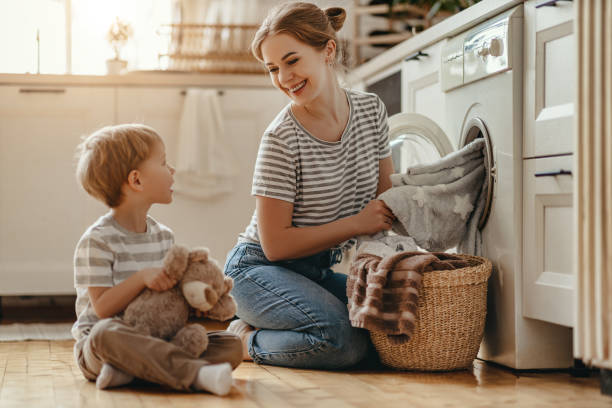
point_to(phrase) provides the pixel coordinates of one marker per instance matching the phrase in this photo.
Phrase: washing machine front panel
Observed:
(416, 140)
(492, 102)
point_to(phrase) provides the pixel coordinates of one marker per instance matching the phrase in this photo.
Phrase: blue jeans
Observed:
(299, 308)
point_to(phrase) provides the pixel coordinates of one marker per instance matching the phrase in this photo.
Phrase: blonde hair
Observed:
(307, 23)
(107, 156)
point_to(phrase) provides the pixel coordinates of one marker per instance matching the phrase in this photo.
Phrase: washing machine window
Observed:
(416, 139)
(473, 129)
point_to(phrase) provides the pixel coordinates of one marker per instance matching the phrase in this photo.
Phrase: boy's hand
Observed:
(156, 279)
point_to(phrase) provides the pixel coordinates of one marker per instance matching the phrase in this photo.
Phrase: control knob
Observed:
(494, 48)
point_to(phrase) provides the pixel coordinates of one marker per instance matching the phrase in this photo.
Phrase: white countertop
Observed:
(447, 28)
(142, 78)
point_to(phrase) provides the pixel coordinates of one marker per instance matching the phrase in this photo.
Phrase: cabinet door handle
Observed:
(555, 173)
(549, 3)
(220, 92)
(416, 56)
(42, 90)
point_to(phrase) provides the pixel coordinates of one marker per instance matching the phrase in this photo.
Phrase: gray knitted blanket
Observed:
(440, 204)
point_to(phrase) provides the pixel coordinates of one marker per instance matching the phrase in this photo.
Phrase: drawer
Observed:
(548, 240)
(550, 66)
(423, 62)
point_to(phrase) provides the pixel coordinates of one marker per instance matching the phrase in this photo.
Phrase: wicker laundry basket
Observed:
(452, 310)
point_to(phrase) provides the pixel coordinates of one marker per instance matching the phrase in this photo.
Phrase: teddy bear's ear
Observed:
(176, 261)
(198, 255)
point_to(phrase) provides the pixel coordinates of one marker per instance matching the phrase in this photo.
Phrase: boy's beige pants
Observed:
(149, 358)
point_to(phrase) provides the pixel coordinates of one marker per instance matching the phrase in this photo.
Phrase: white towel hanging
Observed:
(205, 165)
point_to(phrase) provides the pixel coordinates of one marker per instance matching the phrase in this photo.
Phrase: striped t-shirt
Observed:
(325, 181)
(107, 254)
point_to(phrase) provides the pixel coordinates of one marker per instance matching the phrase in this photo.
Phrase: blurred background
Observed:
(72, 36)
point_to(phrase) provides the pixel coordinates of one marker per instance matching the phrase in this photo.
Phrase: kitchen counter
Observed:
(142, 78)
(445, 29)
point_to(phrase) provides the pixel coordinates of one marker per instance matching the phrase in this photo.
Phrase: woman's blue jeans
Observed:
(299, 308)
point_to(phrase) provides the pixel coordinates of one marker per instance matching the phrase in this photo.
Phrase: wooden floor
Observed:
(43, 374)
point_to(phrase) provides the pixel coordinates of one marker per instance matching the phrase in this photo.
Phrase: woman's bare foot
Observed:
(244, 331)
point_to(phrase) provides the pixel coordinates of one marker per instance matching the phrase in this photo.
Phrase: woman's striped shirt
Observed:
(325, 181)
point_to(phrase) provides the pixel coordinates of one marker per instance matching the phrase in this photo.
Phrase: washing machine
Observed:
(481, 86)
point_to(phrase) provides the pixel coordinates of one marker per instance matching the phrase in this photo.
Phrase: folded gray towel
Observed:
(440, 204)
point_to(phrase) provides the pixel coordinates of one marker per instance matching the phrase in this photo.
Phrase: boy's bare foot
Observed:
(244, 331)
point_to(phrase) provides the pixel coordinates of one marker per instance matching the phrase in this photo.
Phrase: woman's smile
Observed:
(296, 90)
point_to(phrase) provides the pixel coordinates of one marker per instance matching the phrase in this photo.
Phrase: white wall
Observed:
(216, 223)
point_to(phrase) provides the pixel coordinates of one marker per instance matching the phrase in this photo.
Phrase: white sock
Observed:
(244, 331)
(112, 377)
(215, 378)
(239, 327)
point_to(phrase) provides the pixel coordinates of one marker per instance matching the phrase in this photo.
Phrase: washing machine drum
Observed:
(417, 140)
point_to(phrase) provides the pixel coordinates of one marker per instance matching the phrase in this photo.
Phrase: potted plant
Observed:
(117, 36)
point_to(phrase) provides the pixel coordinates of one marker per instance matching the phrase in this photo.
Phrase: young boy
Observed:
(121, 254)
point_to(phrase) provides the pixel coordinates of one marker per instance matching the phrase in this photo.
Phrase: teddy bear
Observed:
(201, 285)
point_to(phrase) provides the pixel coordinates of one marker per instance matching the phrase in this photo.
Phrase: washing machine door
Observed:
(416, 139)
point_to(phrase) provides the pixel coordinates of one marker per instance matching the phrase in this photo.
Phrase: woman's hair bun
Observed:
(336, 17)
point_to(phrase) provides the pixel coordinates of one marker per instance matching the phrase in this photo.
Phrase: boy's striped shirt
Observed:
(107, 254)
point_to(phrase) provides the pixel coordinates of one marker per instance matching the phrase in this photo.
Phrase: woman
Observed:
(320, 165)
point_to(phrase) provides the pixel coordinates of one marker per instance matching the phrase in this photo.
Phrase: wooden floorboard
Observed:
(43, 374)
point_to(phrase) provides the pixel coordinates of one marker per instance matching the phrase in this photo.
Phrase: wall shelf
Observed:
(196, 48)
(407, 14)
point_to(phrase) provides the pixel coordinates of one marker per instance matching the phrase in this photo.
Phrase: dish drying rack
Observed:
(210, 48)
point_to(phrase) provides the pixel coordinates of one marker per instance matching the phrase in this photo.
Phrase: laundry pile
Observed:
(437, 207)
(440, 204)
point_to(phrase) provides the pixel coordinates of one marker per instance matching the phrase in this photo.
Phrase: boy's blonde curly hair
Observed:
(106, 157)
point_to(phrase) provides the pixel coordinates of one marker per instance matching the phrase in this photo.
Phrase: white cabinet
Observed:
(549, 78)
(43, 211)
(421, 91)
(550, 60)
(548, 240)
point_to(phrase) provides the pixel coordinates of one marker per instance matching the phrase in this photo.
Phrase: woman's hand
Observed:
(374, 217)
(156, 279)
